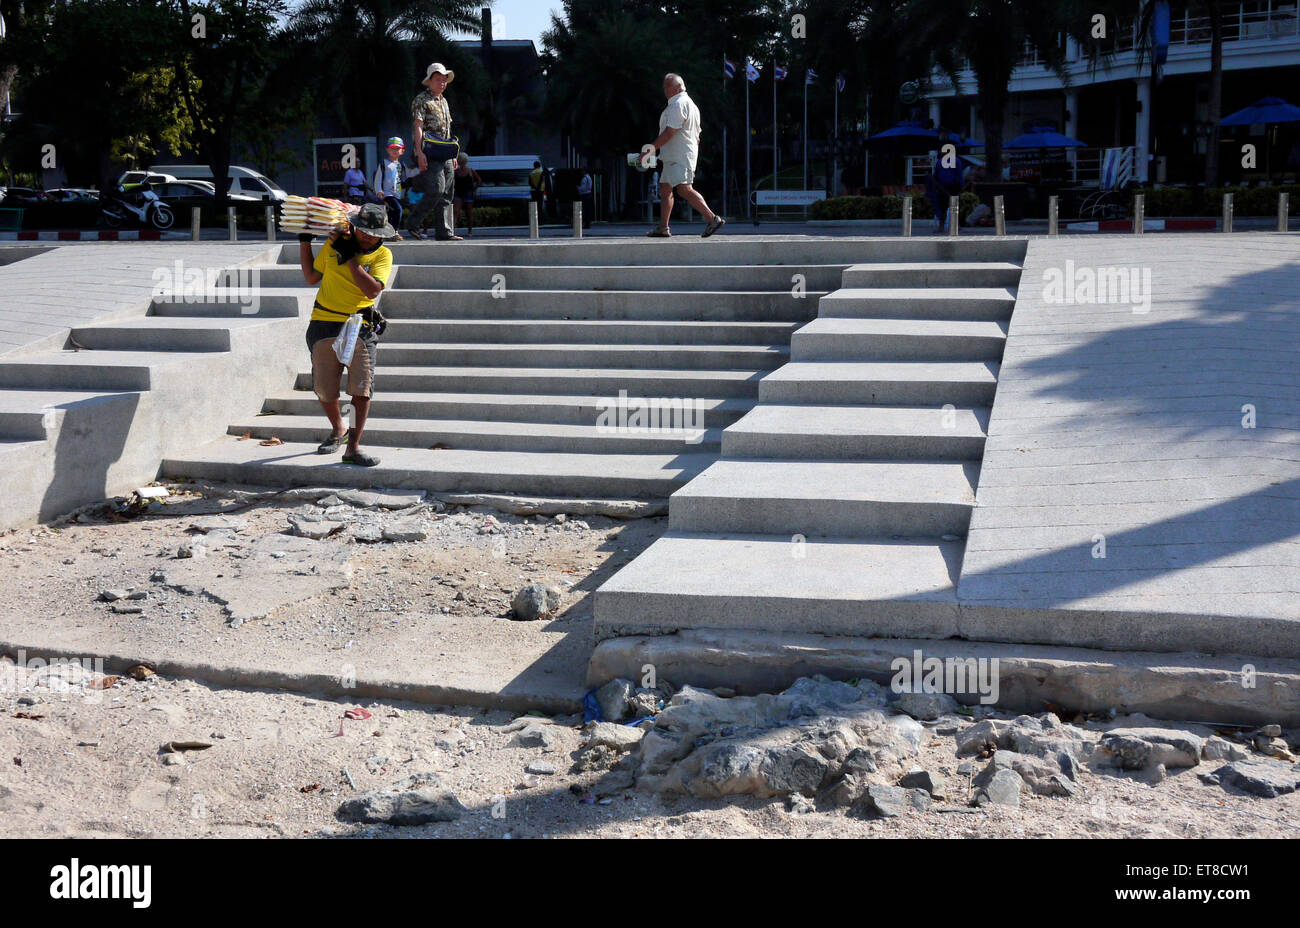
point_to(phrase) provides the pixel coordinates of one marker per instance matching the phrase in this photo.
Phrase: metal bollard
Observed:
(270, 223)
(954, 214)
(999, 216)
(1053, 214)
(1139, 213)
(1227, 212)
(534, 231)
(907, 217)
(1283, 212)
(196, 226)
(231, 225)
(577, 220)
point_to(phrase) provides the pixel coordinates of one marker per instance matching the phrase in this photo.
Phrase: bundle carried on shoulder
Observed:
(319, 215)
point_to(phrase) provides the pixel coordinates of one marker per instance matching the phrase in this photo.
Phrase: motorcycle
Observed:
(144, 206)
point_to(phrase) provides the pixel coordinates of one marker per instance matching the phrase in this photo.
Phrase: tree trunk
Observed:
(1216, 93)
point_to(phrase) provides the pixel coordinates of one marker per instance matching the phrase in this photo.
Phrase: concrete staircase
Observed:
(841, 501)
(95, 418)
(501, 357)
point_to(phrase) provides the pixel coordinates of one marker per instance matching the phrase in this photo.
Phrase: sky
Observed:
(524, 19)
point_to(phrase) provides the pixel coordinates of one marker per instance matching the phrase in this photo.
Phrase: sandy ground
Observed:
(79, 760)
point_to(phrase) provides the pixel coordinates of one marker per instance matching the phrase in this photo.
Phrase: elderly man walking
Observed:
(431, 131)
(679, 147)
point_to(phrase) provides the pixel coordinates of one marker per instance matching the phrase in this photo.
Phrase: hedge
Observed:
(1208, 201)
(891, 207)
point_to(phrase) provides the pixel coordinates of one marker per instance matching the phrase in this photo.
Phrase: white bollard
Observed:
(534, 230)
(1283, 212)
(1227, 212)
(999, 216)
(954, 214)
(907, 217)
(270, 223)
(577, 220)
(196, 226)
(231, 225)
(1053, 216)
(1139, 213)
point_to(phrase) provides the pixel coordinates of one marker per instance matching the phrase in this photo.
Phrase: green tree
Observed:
(991, 36)
(366, 45)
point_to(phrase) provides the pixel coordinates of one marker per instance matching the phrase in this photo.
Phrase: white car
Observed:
(243, 181)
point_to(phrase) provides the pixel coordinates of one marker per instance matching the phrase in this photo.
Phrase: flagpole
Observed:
(835, 140)
(805, 130)
(748, 194)
(775, 167)
(724, 139)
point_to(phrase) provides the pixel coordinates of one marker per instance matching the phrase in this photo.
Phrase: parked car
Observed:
(20, 197)
(131, 179)
(72, 195)
(183, 194)
(243, 181)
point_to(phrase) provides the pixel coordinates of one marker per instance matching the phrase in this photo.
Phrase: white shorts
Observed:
(676, 173)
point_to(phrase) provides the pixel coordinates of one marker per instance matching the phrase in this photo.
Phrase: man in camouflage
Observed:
(431, 119)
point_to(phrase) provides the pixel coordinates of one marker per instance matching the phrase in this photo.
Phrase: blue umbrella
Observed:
(910, 130)
(1043, 138)
(1265, 112)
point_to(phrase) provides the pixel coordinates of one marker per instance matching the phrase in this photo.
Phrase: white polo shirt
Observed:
(683, 115)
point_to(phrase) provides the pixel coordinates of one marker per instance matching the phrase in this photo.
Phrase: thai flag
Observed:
(728, 68)
(839, 83)
(810, 76)
(751, 71)
(780, 72)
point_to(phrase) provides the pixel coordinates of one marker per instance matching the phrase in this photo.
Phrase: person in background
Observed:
(537, 186)
(947, 178)
(586, 196)
(354, 186)
(679, 145)
(390, 182)
(431, 120)
(352, 270)
(467, 184)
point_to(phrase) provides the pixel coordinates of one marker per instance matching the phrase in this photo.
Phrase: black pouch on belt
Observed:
(375, 320)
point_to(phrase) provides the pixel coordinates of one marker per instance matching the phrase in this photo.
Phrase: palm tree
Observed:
(365, 41)
(1213, 10)
(991, 36)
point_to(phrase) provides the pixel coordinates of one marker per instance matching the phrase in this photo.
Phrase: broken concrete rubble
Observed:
(416, 800)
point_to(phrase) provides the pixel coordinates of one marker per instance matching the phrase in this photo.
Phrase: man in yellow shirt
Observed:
(352, 270)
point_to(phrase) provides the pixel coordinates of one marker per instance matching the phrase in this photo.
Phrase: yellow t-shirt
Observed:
(339, 294)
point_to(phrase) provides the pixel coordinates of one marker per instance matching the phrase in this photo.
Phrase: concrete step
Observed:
(666, 357)
(691, 250)
(90, 370)
(155, 333)
(822, 277)
(898, 340)
(988, 303)
(609, 476)
(603, 332)
(596, 382)
(789, 432)
(512, 407)
(958, 274)
(844, 586)
(27, 415)
(242, 303)
(835, 498)
(491, 436)
(908, 383)
(717, 306)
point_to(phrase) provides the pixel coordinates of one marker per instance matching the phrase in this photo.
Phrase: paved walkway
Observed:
(43, 297)
(1129, 428)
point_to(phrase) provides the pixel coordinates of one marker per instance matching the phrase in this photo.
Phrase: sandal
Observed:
(717, 223)
(332, 444)
(360, 459)
(659, 233)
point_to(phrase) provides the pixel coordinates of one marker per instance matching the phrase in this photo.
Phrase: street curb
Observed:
(315, 684)
(101, 235)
